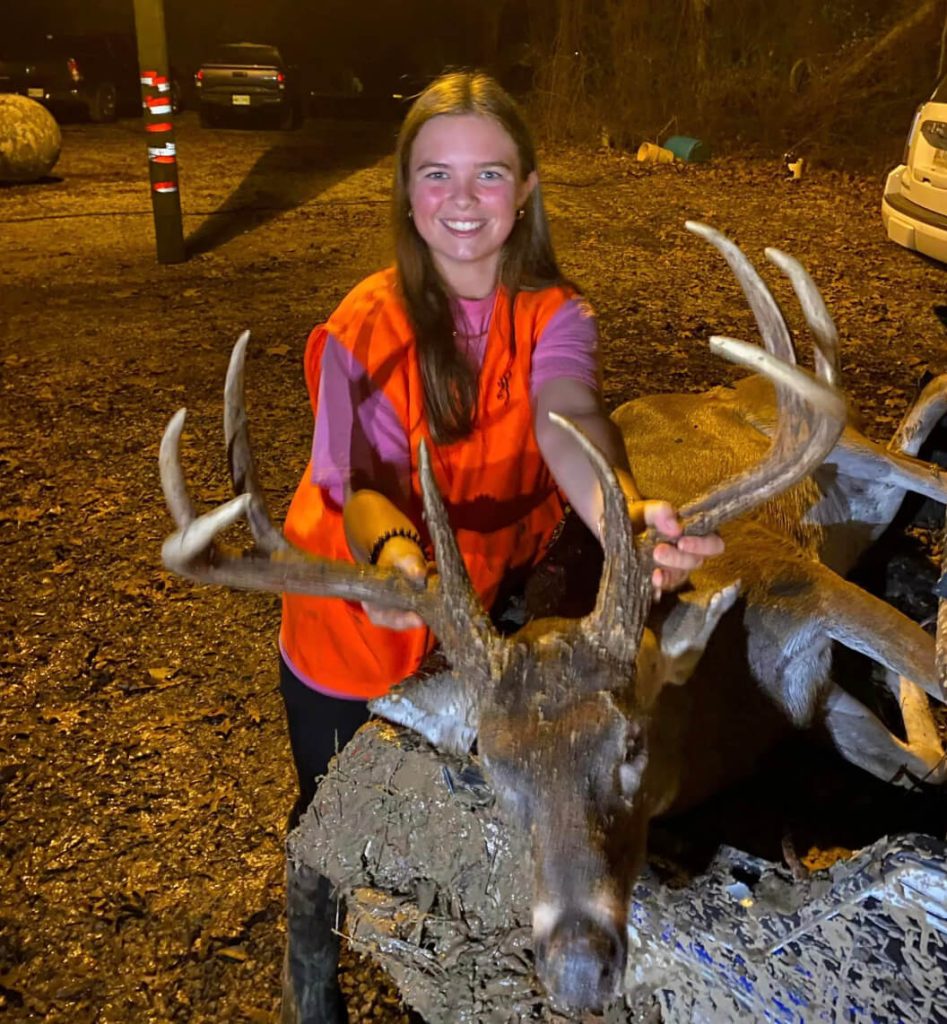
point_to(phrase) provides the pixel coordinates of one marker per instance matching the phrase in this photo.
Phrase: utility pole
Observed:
(159, 129)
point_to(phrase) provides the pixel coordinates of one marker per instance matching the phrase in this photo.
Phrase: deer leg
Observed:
(921, 418)
(865, 623)
(893, 469)
(919, 724)
(865, 742)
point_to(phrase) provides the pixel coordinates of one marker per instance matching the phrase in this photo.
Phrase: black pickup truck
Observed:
(93, 75)
(241, 79)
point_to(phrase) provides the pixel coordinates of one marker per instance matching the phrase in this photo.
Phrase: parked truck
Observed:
(94, 76)
(241, 79)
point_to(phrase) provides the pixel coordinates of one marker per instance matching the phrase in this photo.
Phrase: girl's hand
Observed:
(403, 554)
(676, 556)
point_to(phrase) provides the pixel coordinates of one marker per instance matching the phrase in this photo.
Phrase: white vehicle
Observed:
(914, 207)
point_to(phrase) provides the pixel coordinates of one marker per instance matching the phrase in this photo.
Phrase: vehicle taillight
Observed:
(907, 141)
(74, 73)
(935, 134)
(199, 77)
(280, 77)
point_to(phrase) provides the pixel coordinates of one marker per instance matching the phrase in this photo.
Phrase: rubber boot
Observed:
(311, 993)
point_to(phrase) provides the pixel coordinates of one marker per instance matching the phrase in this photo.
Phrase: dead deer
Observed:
(589, 727)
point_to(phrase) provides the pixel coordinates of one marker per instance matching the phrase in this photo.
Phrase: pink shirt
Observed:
(359, 438)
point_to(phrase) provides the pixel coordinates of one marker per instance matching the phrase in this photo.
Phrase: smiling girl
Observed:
(467, 343)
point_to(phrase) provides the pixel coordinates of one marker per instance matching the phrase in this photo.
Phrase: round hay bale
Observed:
(30, 139)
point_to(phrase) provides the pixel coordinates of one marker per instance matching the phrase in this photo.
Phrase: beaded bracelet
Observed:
(387, 536)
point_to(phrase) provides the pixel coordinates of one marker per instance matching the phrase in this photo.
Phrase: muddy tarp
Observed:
(438, 893)
(437, 887)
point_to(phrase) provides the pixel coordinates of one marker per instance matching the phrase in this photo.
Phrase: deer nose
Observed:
(583, 963)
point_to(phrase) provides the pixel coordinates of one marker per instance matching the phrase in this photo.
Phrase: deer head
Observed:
(562, 707)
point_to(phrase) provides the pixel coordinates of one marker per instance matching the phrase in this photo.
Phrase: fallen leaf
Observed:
(258, 1016)
(22, 514)
(233, 953)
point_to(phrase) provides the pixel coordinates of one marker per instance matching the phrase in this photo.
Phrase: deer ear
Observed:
(688, 626)
(441, 707)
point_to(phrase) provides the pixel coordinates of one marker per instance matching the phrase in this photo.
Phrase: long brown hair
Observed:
(527, 260)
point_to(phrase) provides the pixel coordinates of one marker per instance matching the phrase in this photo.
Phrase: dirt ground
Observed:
(145, 774)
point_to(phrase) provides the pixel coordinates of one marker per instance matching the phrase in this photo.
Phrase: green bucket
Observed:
(692, 151)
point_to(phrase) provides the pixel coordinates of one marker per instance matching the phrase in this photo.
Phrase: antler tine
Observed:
(815, 312)
(810, 413)
(807, 429)
(194, 551)
(624, 594)
(240, 454)
(769, 317)
(459, 618)
(172, 476)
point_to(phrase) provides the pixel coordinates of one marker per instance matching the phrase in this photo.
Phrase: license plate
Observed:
(940, 157)
(36, 94)
(241, 101)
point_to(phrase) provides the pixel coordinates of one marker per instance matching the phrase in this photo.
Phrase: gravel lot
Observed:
(144, 771)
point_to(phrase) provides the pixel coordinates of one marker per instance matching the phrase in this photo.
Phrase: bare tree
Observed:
(562, 81)
(700, 19)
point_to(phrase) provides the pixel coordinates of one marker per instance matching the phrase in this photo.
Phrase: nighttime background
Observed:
(145, 774)
(835, 76)
(378, 40)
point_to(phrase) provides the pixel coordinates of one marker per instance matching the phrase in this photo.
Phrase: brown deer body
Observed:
(589, 727)
(790, 556)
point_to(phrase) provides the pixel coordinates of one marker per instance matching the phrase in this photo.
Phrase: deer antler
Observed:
(240, 453)
(811, 413)
(811, 417)
(816, 315)
(447, 603)
(624, 592)
(777, 337)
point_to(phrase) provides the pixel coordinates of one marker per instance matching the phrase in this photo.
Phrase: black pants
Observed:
(319, 727)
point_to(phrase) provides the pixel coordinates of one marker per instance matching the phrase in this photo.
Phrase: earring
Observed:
(520, 213)
(410, 214)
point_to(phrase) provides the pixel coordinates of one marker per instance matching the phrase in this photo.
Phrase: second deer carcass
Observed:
(589, 727)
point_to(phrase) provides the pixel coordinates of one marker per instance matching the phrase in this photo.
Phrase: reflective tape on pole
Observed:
(158, 105)
(158, 115)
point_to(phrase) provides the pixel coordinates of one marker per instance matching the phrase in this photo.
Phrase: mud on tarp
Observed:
(865, 940)
(438, 893)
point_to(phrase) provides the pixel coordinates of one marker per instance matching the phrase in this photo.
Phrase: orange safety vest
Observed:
(501, 499)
